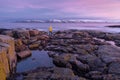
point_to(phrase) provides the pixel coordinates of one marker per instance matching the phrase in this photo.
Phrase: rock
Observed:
(94, 62)
(53, 74)
(108, 59)
(25, 41)
(94, 75)
(56, 48)
(97, 34)
(8, 58)
(43, 37)
(79, 67)
(24, 34)
(80, 34)
(114, 68)
(61, 60)
(20, 48)
(108, 53)
(33, 32)
(3, 30)
(117, 42)
(113, 36)
(53, 54)
(24, 54)
(34, 45)
(32, 40)
(18, 42)
(110, 77)
(63, 36)
(8, 33)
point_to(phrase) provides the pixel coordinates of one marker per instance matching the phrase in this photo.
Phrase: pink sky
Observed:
(108, 9)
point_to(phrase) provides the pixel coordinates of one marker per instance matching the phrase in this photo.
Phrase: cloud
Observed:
(73, 8)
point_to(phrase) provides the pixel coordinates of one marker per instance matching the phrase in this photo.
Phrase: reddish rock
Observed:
(18, 42)
(33, 32)
(24, 54)
(20, 48)
(43, 37)
(34, 45)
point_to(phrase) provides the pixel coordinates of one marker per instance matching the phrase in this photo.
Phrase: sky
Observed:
(49, 9)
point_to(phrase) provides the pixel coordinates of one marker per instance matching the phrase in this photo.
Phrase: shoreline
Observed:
(76, 52)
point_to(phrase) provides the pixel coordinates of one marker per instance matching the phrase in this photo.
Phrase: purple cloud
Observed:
(75, 8)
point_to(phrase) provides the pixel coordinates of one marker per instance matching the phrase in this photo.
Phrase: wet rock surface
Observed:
(78, 55)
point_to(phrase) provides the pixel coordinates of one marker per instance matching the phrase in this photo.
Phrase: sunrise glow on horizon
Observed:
(100, 9)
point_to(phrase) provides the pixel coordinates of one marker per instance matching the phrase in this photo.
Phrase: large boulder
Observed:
(7, 55)
(94, 62)
(108, 53)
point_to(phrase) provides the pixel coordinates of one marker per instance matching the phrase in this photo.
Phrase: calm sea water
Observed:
(63, 26)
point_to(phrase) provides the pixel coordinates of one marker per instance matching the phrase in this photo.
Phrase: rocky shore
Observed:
(114, 26)
(77, 54)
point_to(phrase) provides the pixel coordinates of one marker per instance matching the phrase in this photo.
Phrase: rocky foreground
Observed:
(77, 55)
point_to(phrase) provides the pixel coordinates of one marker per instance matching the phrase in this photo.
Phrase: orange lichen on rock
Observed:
(7, 54)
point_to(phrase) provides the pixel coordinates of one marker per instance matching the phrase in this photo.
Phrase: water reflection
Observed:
(37, 59)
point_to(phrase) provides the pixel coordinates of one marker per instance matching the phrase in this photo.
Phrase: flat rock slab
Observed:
(24, 54)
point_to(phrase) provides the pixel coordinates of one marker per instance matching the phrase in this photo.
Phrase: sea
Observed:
(101, 26)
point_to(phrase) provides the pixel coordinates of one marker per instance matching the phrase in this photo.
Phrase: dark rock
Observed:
(80, 34)
(52, 74)
(79, 67)
(117, 42)
(110, 77)
(114, 68)
(61, 60)
(94, 62)
(108, 53)
(53, 54)
(63, 36)
(56, 48)
(8, 33)
(94, 75)
(24, 34)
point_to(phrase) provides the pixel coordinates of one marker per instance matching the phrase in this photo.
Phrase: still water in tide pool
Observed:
(37, 59)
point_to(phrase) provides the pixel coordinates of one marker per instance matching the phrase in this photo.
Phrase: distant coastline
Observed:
(114, 26)
(64, 21)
